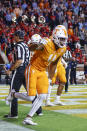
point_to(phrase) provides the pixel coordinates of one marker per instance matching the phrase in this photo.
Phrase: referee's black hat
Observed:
(19, 33)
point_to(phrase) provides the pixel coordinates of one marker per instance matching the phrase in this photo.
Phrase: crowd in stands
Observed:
(41, 16)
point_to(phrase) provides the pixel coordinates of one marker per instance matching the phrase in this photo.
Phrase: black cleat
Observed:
(10, 116)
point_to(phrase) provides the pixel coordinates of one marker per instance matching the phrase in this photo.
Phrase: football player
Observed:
(59, 74)
(48, 52)
(35, 39)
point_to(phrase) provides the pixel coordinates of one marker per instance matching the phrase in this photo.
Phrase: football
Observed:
(32, 47)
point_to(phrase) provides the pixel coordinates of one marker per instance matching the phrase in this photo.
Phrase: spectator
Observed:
(52, 20)
(24, 5)
(82, 37)
(46, 4)
(78, 53)
(65, 23)
(76, 9)
(85, 43)
(41, 5)
(8, 18)
(80, 24)
(34, 5)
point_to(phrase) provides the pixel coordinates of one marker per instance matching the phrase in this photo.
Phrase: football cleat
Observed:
(59, 103)
(28, 121)
(40, 114)
(10, 116)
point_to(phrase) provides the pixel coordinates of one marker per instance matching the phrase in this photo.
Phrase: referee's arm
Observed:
(13, 67)
(16, 65)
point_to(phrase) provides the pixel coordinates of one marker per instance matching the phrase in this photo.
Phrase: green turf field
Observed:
(71, 117)
(50, 121)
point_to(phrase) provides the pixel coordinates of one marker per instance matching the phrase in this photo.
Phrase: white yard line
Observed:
(72, 111)
(6, 126)
(67, 101)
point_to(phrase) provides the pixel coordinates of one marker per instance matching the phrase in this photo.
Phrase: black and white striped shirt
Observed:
(21, 52)
(67, 55)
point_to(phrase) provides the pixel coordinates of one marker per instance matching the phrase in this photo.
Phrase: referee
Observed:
(67, 57)
(21, 60)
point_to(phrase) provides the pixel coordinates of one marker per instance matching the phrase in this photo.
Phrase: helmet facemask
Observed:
(60, 42)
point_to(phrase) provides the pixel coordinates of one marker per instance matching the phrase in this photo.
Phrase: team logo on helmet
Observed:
(60, 36)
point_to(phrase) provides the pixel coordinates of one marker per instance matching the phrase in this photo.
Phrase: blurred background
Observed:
(41, 16)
